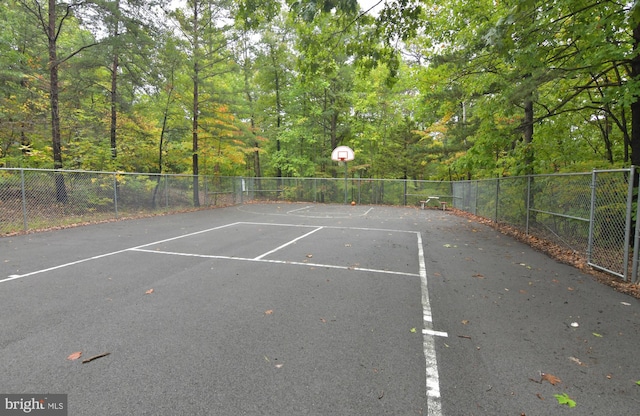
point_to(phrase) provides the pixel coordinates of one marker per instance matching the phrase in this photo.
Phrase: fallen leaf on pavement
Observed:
(148, 292)
(550, 378)
(565, 399)
(577, 361)
(269, 312)
(74, 356)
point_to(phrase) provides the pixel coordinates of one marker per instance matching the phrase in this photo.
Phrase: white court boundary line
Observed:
(293, 263)
(297, 213)
(434, 406)
(138, 248)
(73, 263)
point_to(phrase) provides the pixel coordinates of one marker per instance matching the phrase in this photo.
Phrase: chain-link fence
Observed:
(589, 213)
(592, 214)
(34, 199)
(341, 190)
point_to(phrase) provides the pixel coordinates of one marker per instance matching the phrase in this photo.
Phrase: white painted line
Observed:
(434, 406)
(435, 333)
(187, 235)
(19, 276)
(11, 277)
(294, 263)
(287, 244)
(332, 227)
(300, 209)
(140, 248)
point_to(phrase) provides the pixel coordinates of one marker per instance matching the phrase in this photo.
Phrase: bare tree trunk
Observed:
(278, 110)
(527, 136)
(196, 106)
(61, 190)
(635, 106)
(114, 82)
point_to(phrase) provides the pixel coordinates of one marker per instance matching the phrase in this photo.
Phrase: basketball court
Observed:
(309, 309)
(294, 309)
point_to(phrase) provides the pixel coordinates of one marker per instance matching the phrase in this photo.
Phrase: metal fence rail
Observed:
(589, 213)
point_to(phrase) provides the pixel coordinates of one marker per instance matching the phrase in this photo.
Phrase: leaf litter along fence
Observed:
(589, 213)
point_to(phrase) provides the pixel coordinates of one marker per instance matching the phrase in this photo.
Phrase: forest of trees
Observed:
(420, 89)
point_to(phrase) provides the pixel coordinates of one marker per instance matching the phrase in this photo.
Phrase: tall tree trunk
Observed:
(527, 135)
(278, 109)
(114, 82)
(196, 105)
(61, 190)
(635, 106)
(247, 87)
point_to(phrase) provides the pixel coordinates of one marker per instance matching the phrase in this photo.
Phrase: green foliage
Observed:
(565, 399)
(425, 89)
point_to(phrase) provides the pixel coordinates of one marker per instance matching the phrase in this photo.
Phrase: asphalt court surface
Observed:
(297, 244)
(308, 309)
(296, 310)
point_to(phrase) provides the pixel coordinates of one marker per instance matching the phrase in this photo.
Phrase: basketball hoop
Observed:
(342, 154)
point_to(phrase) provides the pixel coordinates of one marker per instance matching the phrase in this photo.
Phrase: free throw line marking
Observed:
(261, 260)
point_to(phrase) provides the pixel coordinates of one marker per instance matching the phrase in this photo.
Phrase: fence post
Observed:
(205, 189)
(115, 193)
(592, 216)
(636, 238)
(528, 203)
(475, 200)
(24, 200)
(166, 192)
(404, 196)
(495, 218)
(627, 228)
